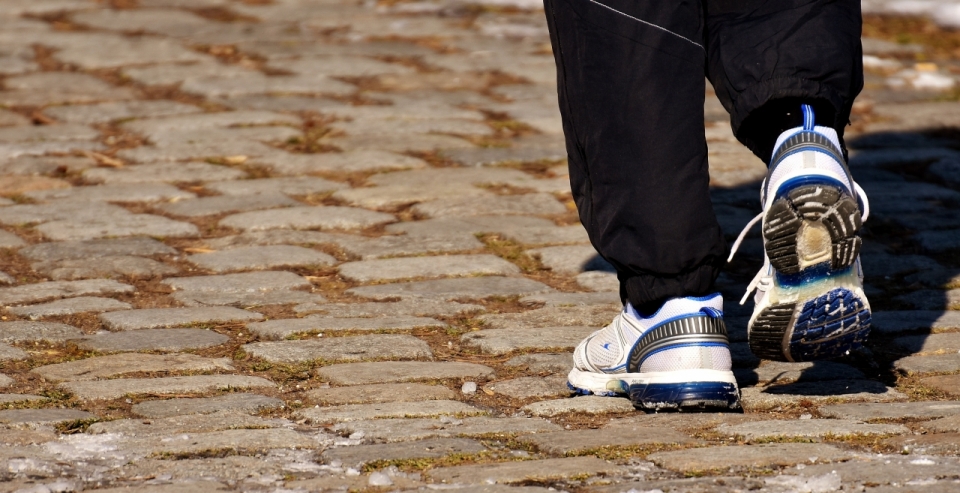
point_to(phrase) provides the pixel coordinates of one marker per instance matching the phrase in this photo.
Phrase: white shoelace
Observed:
(861, 198)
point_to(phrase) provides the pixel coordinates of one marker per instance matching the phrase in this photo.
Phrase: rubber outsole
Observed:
(825, 327)
(814, 205)
(685, 396)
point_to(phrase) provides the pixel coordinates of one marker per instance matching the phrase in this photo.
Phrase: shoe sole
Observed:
(681, 389)
(811, 237)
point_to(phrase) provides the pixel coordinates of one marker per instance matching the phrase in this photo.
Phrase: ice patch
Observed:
(923, 462)
(800, 484)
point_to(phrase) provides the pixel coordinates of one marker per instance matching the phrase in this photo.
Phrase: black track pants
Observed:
(631, 89)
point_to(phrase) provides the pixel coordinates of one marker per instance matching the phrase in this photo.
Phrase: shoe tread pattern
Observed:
(769, 329)
(829, 326)
(826, 204)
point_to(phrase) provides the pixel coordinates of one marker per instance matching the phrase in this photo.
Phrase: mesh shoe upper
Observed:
(608, 350)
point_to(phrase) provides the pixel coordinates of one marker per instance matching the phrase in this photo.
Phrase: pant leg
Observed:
(630, 79)
(767, 56)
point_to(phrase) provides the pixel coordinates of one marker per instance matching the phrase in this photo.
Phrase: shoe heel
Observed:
(812, 224)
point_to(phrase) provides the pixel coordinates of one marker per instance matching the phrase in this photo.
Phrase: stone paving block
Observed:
(116, 226)
(749, 456)
(274, 237)
(22, 331)
(33, 165)
(548, 235)
(503, 341)
(239, 283)
(152, 340)
(529, 204)
(351, 348)
(105, 51)
(239, 402)
(436, 266)
(119, 364)
(10, 353)
(469, 226)
(113, 389)
(543, 362)
(582, 405)
(774, 372)
(151, 20)
(256, 257)
(400, 371)
(29, 293)
(58, 210)
(163, 172)
(361, 412)
(109, 267)
(530, 387)
(47, 133)
(391, 246)
(945, 383)
(570, 259)
(144, 247)
(123, 192)
(15, 398)
(69, 306)
(576, 442)
(934, 363)
(301, 185)
(530, 470)
(378, 393)
(246, 299)
(846, 390)
(5, 380)
(307, 217)
(424, 449)
(406, 187)
(949, 424)
(206, 206)
(450, 289)
(278, 329)
(248, 442)
(118, 110)
(10, 240)
(154, 318)
(809, 428)
(939, 241)
(889, 470)
(186, 423)
(349, 161)
(564, 316)
(401, 429)
(36, 417)
(864, 411)
(599, 281)
(932, 299)
(223, 119)
(934, 443)
(574, 299)
(905, 321)
(408, 307)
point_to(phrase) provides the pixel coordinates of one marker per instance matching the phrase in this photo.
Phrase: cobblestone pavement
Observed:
(310, 245)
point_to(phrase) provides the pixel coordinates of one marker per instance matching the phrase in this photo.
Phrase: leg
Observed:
(631, 87)
(631, 96)
(768, 60)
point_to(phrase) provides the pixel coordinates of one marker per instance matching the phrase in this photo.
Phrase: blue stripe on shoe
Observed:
(808, 121)
(723, 395)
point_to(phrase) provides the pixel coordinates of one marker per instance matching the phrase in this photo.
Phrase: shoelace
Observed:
(864, 206)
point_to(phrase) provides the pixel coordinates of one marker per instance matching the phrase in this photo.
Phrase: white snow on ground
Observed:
(944, 12)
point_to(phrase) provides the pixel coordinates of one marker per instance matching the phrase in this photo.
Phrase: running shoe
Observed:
(809, 297)
(679, 357)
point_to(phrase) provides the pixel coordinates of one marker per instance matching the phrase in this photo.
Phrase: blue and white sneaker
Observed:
(809, 294)
(677, 358)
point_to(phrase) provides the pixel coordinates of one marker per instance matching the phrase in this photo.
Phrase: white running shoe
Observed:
(678, 357)
(809, 294)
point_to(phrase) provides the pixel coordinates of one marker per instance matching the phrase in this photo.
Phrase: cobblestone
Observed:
(69, 306)
(112, 389)
(238, 402)
(352, 348)
(248, 258)
(377, 393)
(441, 266)
(153, 318)
(360, 153)
(152, 340)
(400, 371)
(278, 329)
